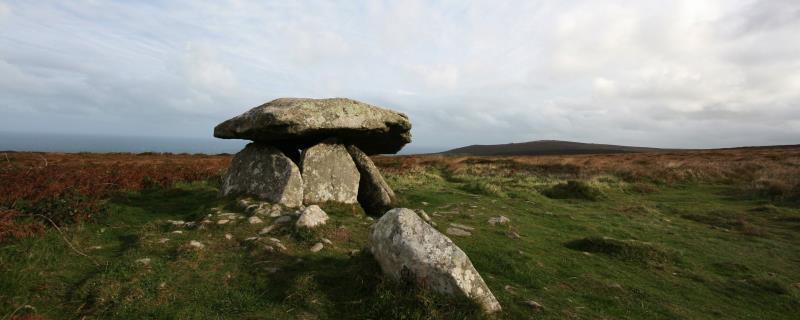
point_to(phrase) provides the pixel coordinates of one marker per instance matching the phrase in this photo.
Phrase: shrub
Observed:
(574, 189)
(627, 250)
(485, 188)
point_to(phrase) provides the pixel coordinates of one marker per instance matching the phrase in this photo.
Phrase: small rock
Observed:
(509, 289)
(354, 252)
(317, 247)
(228, 215)
(196, 244)
(424, 203)
(272, 269)
(176, 222)
(267, 229)
(280, 246)
(370, 219)
(312, 217)
(95, 247)
(243, 203)
(499, 220)
(282, 220)
(461, 226)
(177, 232)
(190, 224)
(251, 208)
(163, 240)
(326, 241)
(162, 285)
(275, 240)
(228, 236)
(254, 220)
(269, 249)
(512, 235)
(143, 261)
(533, 304)
(223, 221)
(458, 232)
(275, 214)
(424, 215)
(206, 221)
(251, 239)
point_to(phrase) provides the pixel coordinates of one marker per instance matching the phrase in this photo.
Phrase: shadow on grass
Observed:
(351, 288)
(188, 202)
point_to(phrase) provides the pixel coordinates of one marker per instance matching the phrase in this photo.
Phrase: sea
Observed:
(53, 142)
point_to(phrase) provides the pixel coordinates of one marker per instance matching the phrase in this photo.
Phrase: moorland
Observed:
(655, 235)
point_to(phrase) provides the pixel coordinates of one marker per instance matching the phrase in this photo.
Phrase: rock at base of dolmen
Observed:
(409, 249)
(329, 174)
(374, 194)
(265, 172)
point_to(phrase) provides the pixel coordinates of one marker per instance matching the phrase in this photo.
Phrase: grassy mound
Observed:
(628, 250)
(574, 189)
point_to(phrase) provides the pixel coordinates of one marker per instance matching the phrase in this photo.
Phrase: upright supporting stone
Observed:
(265, 172)
(329, 174)
(374, 194)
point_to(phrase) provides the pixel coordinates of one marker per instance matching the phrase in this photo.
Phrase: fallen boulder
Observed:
(409, 249)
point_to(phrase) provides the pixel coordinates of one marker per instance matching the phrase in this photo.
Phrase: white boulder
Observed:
(312, 217)
(407, 247)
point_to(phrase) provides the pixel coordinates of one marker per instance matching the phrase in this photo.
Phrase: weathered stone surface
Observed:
(300, 123)
(374, 194)
(458, 232)
(499, 220)
(406, 247)
(329, 174)
(265, 172)
(311, 217)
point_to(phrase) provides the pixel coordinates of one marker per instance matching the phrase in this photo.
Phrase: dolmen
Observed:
(312, 151)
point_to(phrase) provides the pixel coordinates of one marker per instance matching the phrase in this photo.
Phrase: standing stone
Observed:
(407, 248)
(329, 174)
(374, 194)
(265, 172)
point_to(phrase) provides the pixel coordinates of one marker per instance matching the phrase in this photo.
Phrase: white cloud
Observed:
(4, 10)
(609, 71)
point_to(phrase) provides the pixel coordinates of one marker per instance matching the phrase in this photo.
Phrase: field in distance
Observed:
(660, 235)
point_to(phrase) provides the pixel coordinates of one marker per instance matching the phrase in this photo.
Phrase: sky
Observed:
(684, 74)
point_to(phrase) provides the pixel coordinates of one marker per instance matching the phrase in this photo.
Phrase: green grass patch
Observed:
(679, 253)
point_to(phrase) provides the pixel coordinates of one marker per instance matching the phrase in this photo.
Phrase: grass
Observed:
(644, 250)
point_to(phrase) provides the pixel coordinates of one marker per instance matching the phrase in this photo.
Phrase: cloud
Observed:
(684, 74)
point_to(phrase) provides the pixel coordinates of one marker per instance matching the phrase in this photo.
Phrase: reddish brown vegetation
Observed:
(67, 187)
(773, 172)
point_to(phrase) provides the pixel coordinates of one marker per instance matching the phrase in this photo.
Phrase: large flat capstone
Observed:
(409, 249)
(329, 174)
(305, 122)
(265, 172)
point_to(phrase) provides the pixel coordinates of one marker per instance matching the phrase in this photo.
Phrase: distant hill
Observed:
(546, 147)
